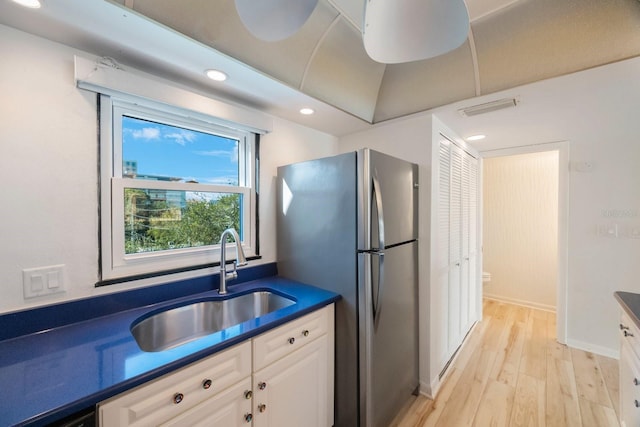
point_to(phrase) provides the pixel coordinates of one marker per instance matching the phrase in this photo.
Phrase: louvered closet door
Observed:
(440, 305)
(455, 299)
(474, 283)
(455, 249)
(465, 269)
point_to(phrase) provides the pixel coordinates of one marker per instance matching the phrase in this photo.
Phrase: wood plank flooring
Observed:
(512, 372)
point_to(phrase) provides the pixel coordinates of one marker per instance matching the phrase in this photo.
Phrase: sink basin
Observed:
(177, 326)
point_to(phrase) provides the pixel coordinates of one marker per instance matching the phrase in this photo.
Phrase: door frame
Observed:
(562, 147)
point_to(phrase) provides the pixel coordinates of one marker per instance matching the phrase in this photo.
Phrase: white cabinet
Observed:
(283, 377)
(629, 373)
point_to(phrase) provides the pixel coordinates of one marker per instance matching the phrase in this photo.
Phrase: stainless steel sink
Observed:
(180, 325)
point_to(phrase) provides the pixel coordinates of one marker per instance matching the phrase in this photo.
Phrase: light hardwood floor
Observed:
(512, 372)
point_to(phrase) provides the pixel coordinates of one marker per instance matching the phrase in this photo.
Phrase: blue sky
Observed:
(176, 152)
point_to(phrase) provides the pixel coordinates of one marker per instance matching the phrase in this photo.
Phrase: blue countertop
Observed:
(49, 374)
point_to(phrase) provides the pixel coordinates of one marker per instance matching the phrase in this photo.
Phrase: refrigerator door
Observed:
(388, 332)
(388, 200)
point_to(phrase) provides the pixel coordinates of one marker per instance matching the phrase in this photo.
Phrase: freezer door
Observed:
(388, 332)
(388, 200)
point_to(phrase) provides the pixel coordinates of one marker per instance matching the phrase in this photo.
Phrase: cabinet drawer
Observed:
(229, 408)
(629, 333)
(275, 344)
(166, 397)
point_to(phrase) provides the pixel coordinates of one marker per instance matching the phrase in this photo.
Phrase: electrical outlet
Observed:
(43, 281)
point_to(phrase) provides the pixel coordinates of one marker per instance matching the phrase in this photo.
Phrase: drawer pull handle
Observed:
(291, 340)
(305, 333)
(628, 334)
(178, 397)
(262, 385)
(206, 384)
(622, 327)
(262, 407)
(636, 403)
(248, 418)
(248, 394)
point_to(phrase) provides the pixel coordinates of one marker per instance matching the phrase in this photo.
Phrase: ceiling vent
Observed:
(488, 107)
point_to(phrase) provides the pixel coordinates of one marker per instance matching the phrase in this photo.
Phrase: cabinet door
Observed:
(294, 390)
(629, 387)
(230, 408)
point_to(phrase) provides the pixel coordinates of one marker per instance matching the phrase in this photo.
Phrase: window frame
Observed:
(115, 263)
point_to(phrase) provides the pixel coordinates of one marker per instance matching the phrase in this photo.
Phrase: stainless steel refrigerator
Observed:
(348, 223)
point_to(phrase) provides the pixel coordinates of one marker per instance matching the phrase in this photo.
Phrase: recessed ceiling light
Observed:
(306, 111)
(33, 4)
(476, 137)
(216, 75)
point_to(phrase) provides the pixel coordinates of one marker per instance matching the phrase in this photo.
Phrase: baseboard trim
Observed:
(429, 390)
(597, 349)
(522, 303)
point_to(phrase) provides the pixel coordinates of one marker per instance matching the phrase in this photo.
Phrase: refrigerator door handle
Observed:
(378, 196)
(377, 301)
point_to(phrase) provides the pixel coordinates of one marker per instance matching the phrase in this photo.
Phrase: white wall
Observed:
(520, 228)
(48, 170)
(597, 265)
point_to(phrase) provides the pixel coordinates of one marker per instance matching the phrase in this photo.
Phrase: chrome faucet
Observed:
(240, 259)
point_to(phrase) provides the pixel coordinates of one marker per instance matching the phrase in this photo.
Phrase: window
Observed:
(171, 184)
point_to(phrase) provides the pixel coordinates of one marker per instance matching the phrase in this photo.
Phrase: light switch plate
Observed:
(43, 281)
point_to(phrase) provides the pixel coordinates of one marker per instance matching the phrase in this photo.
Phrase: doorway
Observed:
(524, 224)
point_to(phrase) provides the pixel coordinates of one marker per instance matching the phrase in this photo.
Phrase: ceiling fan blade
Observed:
(273, 20)
(398, 31)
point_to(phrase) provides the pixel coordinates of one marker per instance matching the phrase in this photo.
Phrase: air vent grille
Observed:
(488, 107)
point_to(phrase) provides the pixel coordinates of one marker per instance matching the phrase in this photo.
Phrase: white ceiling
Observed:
(508, 43)
(561, 108)
(354, 9)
